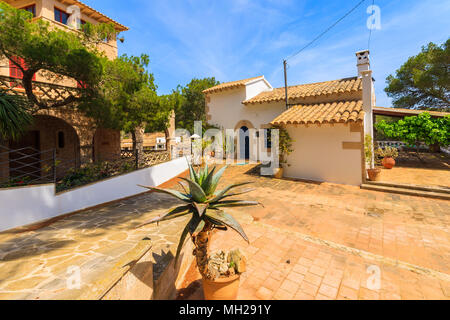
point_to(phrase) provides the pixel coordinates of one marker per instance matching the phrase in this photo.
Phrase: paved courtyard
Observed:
(309, 241)
(327, 241)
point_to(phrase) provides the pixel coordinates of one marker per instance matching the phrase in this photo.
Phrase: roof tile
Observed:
(230, 85)
(309, 90)
(334, 112)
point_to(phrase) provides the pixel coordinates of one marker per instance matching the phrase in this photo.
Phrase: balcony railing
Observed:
(44, 91)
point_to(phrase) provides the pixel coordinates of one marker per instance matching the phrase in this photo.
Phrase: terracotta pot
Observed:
(278, 174)
(374, 174)
(388, 162)
(221, 288)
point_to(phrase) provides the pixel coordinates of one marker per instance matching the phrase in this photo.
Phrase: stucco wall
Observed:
(319, 154)
(28, 205)
(226, 110)
(256, 87)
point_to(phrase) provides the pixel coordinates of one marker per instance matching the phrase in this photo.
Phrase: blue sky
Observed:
(236, 39)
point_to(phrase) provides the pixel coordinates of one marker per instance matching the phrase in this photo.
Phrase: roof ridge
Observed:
(232, 84)
(101, 14)
(312, 83)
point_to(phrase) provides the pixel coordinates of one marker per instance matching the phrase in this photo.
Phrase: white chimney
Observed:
(362, 61)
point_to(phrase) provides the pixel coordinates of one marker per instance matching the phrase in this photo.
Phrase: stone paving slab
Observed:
(34, 264)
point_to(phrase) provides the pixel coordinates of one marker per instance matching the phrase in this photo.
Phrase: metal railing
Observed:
(29, 166)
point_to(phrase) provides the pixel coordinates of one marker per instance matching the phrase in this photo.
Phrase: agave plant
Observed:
(205, 207)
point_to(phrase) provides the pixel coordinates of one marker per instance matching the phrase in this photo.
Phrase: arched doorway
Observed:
(244, 143)
(48, 134)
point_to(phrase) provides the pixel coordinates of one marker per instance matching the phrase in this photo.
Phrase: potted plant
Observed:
(389, 154)
(373, 172)
(220, 273)
(285, 148)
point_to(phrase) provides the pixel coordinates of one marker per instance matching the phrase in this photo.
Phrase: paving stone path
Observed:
(37, 264)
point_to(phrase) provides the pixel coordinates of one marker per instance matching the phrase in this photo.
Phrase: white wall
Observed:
(256, 87)
(28, 205)
(226, 110)
(318, 154)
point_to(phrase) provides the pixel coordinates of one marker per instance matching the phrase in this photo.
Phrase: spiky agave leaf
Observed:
(220, 217)
(238, 193)
(194, 226)
(235, 203)
(193, 174)
(201, 208)
(216, 179)
(174, 193)
(172, 213)
(198, 195)
(207, 183)
(222, 193)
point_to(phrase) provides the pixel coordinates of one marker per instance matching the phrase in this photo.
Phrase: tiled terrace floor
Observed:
(428, 169)
(330, 234)
(417, 176)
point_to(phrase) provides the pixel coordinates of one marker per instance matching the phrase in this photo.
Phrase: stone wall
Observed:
(106, 144)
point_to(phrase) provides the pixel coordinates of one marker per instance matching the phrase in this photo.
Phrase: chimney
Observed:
(362, 61)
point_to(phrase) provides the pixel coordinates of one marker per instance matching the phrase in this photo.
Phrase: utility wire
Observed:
(328, 29)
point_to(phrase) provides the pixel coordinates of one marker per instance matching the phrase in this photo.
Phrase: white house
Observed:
(327, 120)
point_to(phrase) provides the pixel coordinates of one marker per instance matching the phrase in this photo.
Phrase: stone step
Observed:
(411, 186)
(407, 191)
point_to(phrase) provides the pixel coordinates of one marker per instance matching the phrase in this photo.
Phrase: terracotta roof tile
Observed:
(309, 90)
(231, 85)
(334, 112)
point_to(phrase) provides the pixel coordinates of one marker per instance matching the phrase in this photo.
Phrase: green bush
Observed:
(418, 129)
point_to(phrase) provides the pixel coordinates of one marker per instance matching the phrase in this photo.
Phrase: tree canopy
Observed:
(423, 82)
(127, 98)
(418, 129)
(53, 52)
(189, 102)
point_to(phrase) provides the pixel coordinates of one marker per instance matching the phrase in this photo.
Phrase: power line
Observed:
(328, 29)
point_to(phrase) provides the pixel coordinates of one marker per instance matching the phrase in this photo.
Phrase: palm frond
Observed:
(15, 116)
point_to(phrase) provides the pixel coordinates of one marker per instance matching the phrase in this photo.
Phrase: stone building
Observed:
(75, 137)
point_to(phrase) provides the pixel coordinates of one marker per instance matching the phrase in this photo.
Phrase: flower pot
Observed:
(388, 162)
(374, 174)
(221, 288)
(278, 173)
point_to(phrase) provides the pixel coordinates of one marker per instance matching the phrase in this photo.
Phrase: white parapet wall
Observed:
(27, 205)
